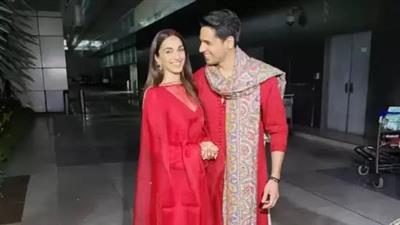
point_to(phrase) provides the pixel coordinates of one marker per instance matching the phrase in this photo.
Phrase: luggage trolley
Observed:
(385, 157)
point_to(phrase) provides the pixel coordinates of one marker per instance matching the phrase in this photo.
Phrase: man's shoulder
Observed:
(270, 81)
(268, 84)
(199, 74)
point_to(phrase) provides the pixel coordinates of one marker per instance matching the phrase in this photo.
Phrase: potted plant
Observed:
(14, 56)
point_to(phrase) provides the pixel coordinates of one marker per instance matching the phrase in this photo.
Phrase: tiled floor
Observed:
(12, 198)
(83, 173)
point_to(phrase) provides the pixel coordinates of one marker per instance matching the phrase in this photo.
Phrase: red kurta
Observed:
(273, 121)
(171, 182)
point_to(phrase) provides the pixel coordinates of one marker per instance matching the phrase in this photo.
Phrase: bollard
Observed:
(66, 102)
(128, 92)
(82, 101)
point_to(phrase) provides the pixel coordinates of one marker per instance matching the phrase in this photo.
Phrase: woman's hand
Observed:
(208, 150)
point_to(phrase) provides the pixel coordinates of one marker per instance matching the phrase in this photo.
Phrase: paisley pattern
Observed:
(242, 94)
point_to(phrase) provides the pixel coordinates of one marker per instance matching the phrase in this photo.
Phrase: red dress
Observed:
(171, 184)
(273, 121)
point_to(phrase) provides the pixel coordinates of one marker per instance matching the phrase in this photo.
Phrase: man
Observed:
(242, 100)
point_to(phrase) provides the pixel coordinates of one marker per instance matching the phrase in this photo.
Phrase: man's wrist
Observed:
(275, 179)
(275, 174)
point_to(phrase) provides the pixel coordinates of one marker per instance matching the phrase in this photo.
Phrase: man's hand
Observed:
(208, 150)
(270, 195)
(271, 189)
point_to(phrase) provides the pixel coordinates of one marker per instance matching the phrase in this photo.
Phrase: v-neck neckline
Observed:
(177, 99)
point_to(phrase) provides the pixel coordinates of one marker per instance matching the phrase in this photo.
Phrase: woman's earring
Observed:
(159, 67)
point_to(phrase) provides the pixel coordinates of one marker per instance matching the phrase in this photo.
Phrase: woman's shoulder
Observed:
(152, 93)
(152, 90)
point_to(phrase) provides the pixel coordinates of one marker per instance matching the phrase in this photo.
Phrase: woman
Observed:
(171, 184)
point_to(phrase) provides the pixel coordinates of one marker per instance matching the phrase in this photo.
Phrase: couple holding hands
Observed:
(202, 156)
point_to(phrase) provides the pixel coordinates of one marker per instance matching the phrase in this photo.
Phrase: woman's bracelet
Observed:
(277, 180)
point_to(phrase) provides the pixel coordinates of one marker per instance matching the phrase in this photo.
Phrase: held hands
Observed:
(209, 150)
(270, 195)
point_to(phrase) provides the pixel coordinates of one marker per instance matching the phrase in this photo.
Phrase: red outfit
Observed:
(273, 122)
(171, 182)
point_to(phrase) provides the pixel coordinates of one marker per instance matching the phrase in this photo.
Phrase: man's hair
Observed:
(225, 22)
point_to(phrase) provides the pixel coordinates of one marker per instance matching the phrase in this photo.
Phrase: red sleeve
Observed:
(197, 82)
(273, 115)
(148, 137)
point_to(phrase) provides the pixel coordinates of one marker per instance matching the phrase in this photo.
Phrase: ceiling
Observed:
(99, 19)
(101, 16)
(44, 5)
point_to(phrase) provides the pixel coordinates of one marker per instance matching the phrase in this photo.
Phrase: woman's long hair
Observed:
(155, 76)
